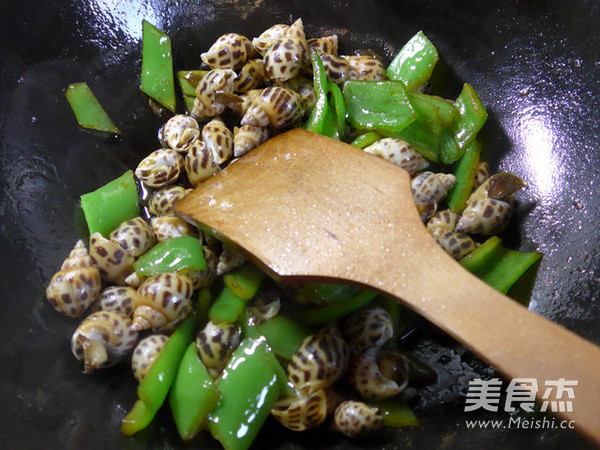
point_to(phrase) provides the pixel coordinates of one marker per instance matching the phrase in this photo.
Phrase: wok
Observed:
(535, 64)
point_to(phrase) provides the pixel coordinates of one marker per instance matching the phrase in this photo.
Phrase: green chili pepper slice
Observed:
(414, 63)
(322, 315)
(378, 105)
(437, 110)
(284, 335)
(87, 109)
(244, 281)
(365, 139)
(325, 293)
(424, 138)
(498, 266)
(316, 120)
(193, 395)
(153, 389)
(227, 307)
(338, 109)
(471, 116)
(465, 171)
(174, 254)
(249, 387)
(157, 79)
(396, 413)
(115, 202)
(188, 81)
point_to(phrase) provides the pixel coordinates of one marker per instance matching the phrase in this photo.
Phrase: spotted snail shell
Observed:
(163, 201)
(247, 138)
(301, 412)
(180, 131)
(398, 152)
(366, 68)
(112, 261)
(490, 207)
(168, 227)
(120, 299)
(216, 342)
(285, 58)
(163, 301)
(102, 339)
(267, 37)
(218, 139)
(160, 168)
(374, 380)
(251, 76)
(325, 45)
(320, 360)
(135, 236)
(441, 226)
(354, 418)
(212, 87)
(77, 285)
(145, 354)
(229, 51)
(199, 163)
(276, 107)
(370, 327)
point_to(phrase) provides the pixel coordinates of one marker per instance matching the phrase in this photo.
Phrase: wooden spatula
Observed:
(305, 205)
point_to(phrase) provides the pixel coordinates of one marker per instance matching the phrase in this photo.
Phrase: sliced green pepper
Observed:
(284, 335)
(381, 105)
(396, 413)
(317, 118)
(189, 79)
(322, 315)
(227, 307)
(157, 79)
(471, 116)
(153, 389)
(365, 139)
(421, 136)
(87, 109)
(193, 395)
(249, 387)
(108, 206)
(465, 171)
(414, 63)
(436, 110)
(337, 107)
(174, 254)
(325, 293)
(244, 281)
(498, 266)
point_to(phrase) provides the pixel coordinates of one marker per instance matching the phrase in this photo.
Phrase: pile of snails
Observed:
(265, 85)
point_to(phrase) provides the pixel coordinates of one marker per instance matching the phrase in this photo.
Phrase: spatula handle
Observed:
(516, 342)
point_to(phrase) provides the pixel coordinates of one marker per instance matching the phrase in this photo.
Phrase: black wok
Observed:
(536, 65)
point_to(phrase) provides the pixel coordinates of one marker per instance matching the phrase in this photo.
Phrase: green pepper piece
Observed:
(436, 110)
(414, 63)
(420, 134)
(284, 335)
(366, 139)
(188, 100)
(249, 387)
(325, 293)
(227, 307)
(317, 121)
(108, 206)
(157, 79)
(396, 413)
(338, 109)
(322, 315)
(498, 266)
(193, 395)
(378, 105)
(87, 109)
(174, 254)
(244, 281)
(188, 81)
(471, 116)
(465, 171)
(153, 389)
